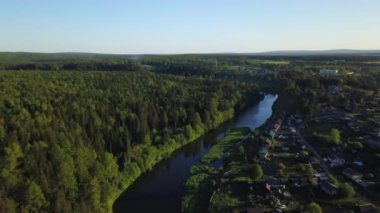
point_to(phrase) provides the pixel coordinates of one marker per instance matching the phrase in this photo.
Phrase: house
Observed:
(335, 161)
(326, 72)
(358, 163)
(315, 161)
(263, 153)
(277, 125)
(274, 183)
(366, 208)
(329, 188)
(321, 176)
(282, 137)
(268, 141)
(286, 194)
(285, 149)
(361, 183)
(272, 133)
(352, 174)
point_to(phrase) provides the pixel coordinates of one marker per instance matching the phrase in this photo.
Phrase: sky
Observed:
(187, 26)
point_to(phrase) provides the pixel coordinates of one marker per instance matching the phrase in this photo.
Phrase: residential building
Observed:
(366, 208)
(352, 174)
(263, 153)
(329, 188)
(328, 72)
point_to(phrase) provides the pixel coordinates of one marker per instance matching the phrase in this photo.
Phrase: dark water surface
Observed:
(160, 189)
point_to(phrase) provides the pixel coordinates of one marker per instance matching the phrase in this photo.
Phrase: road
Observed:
(311, 148)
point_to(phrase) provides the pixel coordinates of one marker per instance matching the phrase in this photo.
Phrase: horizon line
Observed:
(342, 50)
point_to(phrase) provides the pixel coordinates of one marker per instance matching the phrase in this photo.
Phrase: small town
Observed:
(283, 165)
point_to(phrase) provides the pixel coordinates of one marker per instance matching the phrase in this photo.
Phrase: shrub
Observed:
(313, 208)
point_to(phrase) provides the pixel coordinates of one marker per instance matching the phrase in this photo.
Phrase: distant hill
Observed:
(29, 57)
(319, 53)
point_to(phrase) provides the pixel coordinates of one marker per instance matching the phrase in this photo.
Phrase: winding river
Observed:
(160, 189)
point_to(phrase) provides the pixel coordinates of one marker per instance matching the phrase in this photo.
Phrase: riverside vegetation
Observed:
(72, 141)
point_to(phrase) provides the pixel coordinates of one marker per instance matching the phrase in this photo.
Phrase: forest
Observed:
(206, 65)
(73, 141)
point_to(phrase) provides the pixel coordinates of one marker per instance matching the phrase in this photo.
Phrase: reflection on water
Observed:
(256, 116)
(160, 189)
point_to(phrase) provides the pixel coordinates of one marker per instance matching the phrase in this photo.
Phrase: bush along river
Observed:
(160, 189)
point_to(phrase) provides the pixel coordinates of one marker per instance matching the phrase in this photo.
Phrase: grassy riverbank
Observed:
(204, 178)
(152, 157)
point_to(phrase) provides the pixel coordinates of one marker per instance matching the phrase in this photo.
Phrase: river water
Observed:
(160, 189)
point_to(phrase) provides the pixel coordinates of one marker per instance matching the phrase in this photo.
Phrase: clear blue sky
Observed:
(187, 26)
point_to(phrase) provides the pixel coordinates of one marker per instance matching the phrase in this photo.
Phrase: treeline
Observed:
(206, 65)
(124, 65)
(72, 141)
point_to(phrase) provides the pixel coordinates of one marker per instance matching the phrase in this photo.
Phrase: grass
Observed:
(226, 143)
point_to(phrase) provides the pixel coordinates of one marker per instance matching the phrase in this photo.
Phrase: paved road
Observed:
(315, 153)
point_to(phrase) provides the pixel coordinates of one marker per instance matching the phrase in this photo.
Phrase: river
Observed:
(160, 189)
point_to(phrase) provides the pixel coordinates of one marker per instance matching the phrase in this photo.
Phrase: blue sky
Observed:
(187, 26)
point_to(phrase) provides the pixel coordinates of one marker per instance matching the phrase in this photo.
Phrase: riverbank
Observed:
(162, 187)
(161, 153)
(167, 150)
(239, 145)
(157, 154)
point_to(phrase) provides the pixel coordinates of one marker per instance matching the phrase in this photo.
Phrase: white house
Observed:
(328, 72)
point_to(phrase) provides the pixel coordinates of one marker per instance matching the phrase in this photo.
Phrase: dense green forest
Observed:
(72, 141)
(73, 137)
